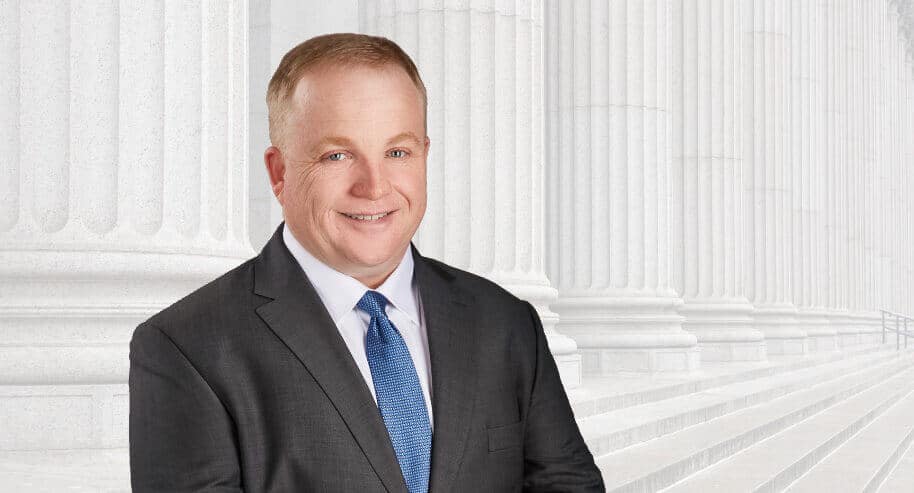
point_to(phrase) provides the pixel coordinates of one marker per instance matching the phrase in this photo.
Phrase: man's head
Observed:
(347, 124)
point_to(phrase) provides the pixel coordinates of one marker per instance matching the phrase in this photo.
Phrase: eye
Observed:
(398, 153)
(336, 156)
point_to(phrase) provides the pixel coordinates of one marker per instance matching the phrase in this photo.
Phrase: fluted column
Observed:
(124, 188)
(823, 336)
(901, 78)
(483, 67)
(883, 180)
(769, 183)
(609, 164)
(707, 172)
(909, 151)
(904, 193)
(896, 234)
(859, 315)
(871, 192)
(835, 173)
(806, 161)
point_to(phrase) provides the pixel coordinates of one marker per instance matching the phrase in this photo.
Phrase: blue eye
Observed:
(336, 156)
(397, 153)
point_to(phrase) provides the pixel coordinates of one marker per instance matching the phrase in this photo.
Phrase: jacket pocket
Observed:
(505, 436)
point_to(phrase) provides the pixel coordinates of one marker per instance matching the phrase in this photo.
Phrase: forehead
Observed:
(343, 93)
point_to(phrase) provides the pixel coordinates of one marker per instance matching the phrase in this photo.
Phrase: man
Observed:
(340, 359)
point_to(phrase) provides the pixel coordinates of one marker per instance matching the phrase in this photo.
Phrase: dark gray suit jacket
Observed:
(246, 385)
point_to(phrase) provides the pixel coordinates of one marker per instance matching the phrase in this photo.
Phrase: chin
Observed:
(371, 258)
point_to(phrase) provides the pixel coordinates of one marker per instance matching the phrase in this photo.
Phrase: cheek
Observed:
(412, 184)
(304, 193)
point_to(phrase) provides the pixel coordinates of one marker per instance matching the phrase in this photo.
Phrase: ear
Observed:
(276, 169)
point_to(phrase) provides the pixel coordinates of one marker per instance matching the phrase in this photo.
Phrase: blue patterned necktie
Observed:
(399, 394)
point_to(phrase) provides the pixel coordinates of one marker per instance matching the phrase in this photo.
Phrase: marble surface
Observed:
(100, 470)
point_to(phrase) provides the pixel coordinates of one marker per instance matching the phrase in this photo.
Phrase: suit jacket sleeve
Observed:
(181, 436)
(555, 455)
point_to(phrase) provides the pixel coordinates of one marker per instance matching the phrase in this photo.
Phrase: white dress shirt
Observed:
(340, 293)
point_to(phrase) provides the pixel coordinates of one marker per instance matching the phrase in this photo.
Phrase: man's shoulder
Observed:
(482, 291)
(211, 305)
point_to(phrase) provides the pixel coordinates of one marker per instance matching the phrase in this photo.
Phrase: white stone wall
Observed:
(668, 181)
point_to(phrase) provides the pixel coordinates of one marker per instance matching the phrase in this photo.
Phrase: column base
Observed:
(732, 351)
(821, 336)
(571, 369)
(567, 359)
(44, 417)
(610, 360)
(66, 319)
(848, 333)
(724, 329)
(640, 334)
(778, 322)
(536, 289)
(785, 347)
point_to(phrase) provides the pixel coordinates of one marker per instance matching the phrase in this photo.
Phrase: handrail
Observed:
(900, 320)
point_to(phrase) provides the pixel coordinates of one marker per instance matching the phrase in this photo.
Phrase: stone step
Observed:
(864, 461)
(624, 427)
(778, 461)
(658, 463)
(599, 394)
(901, 478)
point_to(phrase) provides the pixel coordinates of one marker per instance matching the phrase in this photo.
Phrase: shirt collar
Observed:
(340, 292)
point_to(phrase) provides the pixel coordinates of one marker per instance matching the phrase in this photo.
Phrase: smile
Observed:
(366, 217)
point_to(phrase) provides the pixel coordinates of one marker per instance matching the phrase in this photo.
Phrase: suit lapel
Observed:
(453, 353)
(299, 318)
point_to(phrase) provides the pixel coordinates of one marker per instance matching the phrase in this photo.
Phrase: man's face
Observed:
(351, 172)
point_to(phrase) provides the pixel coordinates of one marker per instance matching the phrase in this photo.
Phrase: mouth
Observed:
(367, 217)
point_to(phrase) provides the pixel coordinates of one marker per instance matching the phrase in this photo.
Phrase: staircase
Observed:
(826, 422)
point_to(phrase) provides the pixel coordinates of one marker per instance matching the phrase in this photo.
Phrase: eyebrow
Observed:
(346, 142)
(405, 136)
(334, 140)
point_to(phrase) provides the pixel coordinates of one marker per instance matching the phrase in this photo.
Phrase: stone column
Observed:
(483, 68)
(878, 186)
(836, 173)
(907, 18)
(806, 163)
(823, 337)
(860, 315)
(896, 168)
(884, 178)
(909, 151)
(901, 80)
(123, 188)
(769, 184)
(872, 159)
(903, 49)
(707, 172)
(608, 138)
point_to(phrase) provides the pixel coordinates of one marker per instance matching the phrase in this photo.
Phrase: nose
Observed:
(371, 182)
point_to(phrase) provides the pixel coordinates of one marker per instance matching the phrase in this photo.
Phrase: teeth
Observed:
(368, 218)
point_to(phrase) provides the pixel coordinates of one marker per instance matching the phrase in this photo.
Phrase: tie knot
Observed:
(373, 304)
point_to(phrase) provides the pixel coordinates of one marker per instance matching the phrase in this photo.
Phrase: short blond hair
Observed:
(345, 48)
